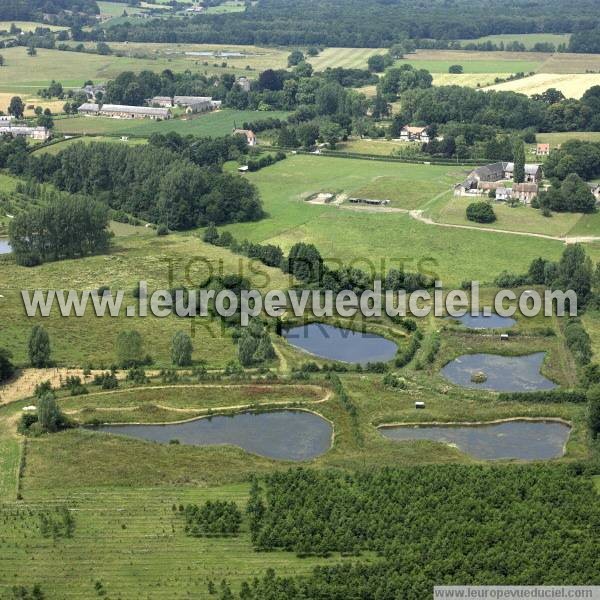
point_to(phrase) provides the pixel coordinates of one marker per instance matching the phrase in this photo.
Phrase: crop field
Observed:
(527, 39)
(570, 63)
(571, 85)
(356, 235)
(467, 79)
(30, 99)
(213, 124)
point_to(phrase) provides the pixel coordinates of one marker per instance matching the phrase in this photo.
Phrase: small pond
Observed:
(504, 373)
(522, 440)
(4, 246)
(335, 343)
(481, 321)
(282, 434)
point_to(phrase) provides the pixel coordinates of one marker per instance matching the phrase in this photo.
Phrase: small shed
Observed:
(419, 405)
(504, 337)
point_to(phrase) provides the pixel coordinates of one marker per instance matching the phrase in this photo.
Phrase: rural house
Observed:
(410, 133)
(542, 149)
(250, 136)
(525, 192)
(244, 83)
(34, 133)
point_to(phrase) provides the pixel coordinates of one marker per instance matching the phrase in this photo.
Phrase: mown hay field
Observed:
(571, 85)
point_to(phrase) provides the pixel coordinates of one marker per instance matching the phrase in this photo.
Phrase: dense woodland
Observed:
(451, 524)
(358, 23)
(151, 182)
(57, 11)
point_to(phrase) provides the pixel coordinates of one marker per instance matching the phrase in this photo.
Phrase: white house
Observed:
(410, 133)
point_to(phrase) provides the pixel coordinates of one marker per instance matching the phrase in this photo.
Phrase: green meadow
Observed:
(211, 124)
(356, 235)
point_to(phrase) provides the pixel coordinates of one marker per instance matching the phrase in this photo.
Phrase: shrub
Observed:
(39, 347)
(181, 350)
(481, 212)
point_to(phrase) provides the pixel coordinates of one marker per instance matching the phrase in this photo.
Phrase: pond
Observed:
(502, 373)
(4, 246)
(481, 321)
(521, 439)
(282, 434)
(335, 343)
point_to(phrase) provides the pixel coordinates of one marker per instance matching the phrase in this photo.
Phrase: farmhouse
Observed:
(533, 172)
(525, 192)
(5, 119)
(244, 83)
(192, 104)
(91, 91)
(595, 189)
(411, 133)
(122, 111)
(35, 133)
(162, 101)
(542, 149)
(249, 134)
(488, 177)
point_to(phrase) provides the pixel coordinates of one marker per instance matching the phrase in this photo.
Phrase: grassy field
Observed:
(115, 9)
(230, 6)
(215, 123)
(24, 73)
(29, 26)
(554, 139)
(359, 235)
(438, 61)
(379, 147)
(133, 258)
(351, 58)
(520, 218)
(527, 39)
(571, 85)
(63, 144)
(122, 491)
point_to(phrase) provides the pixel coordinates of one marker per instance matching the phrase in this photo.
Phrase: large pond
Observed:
(335, 343)
(523, 440)
(504, 373)
(481, 321)
(4, 246)
(283, 434)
